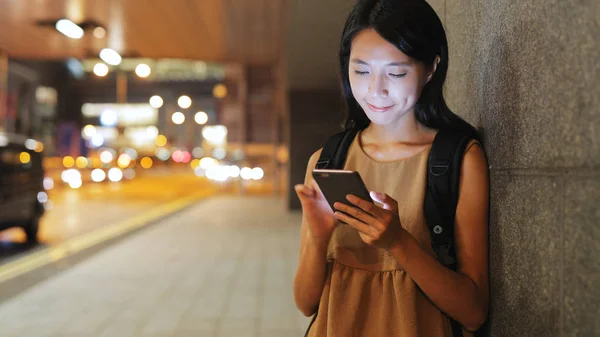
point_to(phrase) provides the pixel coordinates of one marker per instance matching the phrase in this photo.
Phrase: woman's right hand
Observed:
(317, 213)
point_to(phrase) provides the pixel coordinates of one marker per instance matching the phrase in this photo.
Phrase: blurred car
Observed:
(21, 184)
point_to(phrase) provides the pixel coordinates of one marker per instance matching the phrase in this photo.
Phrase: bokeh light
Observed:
(25, 158)
(143, 70)
(220, 91)
(246, 173)
(115, 174)
(201, 117)
(68, 161)
(156, 101)
(257, 173)
(161, 140)
(81, 162)
(124, 160)
(98, 175)
(184, 102)
(146, 162)
(178, 118)
(100, 69)
(106, 157)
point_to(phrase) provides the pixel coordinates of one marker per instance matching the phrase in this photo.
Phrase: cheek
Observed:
(358, 87)
(408, 90)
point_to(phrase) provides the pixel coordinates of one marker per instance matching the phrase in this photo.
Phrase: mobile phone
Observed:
(337, 184)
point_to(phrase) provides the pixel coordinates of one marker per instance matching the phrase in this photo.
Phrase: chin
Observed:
(385, 118)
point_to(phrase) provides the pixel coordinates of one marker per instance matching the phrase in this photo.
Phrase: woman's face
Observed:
(384, 81)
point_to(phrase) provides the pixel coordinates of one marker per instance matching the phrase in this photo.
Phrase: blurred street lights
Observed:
(201, 117)
(156, 101)
(178, 118)
(184, 102)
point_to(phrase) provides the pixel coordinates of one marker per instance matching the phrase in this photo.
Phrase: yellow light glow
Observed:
(161, 140)
(146, 162)
(96, 163)
(106, 157)
(208, 162)
(81, 162)
(195, 163)
(25, 157)
(68, 161)
(124, 160)
(89, 131)
(220, 91)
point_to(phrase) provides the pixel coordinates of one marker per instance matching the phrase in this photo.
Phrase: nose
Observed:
(378, 86)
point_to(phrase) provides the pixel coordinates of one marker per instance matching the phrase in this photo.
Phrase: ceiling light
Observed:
(142, 70)
(99, 32)
(100, 69)
(110, 56)
(69, 28)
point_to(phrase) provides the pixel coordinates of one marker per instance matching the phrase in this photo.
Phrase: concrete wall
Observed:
(527, 73)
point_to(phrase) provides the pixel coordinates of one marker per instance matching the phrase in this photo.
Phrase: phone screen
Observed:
(337, 184)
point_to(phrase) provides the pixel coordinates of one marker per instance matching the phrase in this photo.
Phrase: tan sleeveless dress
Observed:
(367, 294)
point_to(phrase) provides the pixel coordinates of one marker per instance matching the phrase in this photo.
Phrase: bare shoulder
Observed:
(474, 157)
(312, 162)
(314, 158)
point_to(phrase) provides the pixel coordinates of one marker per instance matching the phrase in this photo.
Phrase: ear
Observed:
(432, 72)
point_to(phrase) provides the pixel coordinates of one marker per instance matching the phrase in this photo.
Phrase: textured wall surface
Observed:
(527, 74)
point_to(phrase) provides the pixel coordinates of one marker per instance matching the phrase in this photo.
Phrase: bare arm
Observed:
(464, 294)
(312, 268)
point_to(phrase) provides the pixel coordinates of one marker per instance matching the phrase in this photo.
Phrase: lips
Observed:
(379, 109)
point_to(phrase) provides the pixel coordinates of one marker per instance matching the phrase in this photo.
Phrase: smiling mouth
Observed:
(379, 109)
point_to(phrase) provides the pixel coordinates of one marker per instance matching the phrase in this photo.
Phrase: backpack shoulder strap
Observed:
(333, 155)
(441, 199)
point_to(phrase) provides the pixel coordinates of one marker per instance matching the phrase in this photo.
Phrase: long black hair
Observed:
(414, 28)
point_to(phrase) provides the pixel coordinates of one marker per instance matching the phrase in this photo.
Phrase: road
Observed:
(76, 212)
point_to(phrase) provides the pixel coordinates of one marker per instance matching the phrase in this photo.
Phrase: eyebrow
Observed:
(407, 63)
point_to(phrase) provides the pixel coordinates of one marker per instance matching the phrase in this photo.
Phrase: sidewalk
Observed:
(221, 268)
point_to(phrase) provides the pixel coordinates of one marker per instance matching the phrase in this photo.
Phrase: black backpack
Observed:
(441, 199)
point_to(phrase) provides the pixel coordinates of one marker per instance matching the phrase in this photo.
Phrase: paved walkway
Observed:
(221, 268)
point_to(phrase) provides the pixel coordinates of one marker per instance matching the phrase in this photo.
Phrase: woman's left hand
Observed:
(378, 226)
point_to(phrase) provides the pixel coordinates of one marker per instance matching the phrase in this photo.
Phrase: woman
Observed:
(370, 270)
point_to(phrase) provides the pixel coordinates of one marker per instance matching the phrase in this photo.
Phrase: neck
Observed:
(405, 130)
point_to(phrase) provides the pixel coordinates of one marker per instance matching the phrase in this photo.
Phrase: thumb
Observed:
(304, 191)
(388, 202)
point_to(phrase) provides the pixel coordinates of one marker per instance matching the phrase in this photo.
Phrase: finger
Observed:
(359, 225)
(388, 202)
(358, 213)
(303, 190)
(365, 205)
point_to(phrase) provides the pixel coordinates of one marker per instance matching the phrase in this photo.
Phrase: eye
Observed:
(361, 73)
(398, 75)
